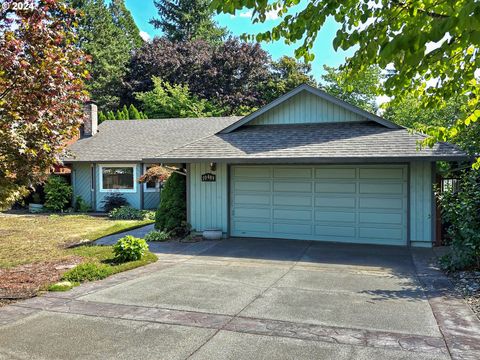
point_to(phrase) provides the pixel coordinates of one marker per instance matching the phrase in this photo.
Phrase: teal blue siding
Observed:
(421, 201)
(151, 200)
(208, 201)
(344, 203)
(305, 108)
(82, 182)
(82, 185)
(133, 198)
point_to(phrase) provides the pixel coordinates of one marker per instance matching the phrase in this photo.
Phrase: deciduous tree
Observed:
(42, 74)
(232, 74)
(175, 101)
(359, 89)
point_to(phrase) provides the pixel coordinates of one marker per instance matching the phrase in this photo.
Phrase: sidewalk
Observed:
(112, 239)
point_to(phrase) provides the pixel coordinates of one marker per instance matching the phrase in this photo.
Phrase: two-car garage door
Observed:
(361, 204)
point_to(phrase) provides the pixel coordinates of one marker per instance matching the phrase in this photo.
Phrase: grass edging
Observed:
(99, 264)
(98, 234)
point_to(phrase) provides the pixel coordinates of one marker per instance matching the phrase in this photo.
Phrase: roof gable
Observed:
(307, 105)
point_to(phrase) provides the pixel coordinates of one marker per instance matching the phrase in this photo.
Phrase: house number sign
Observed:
(209, 177)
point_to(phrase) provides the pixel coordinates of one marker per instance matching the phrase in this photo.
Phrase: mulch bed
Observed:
(467, 283)
(26, 281)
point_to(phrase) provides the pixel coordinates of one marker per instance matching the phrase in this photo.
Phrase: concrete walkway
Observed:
(253, 299)
(138, 232)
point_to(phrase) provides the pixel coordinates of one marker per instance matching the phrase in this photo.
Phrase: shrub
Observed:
(113, 201)
(149, 215)
(460, 212)
(129, 248)
(127, 213)
(172, 210)
(57, 193)
(36, 198)
(81, 205)
(157, 236)
(87, 272)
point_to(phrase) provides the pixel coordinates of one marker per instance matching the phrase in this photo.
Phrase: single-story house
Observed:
(307, 166)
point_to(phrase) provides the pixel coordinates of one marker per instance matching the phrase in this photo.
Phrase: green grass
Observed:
(35, 238)
(118, 227)
(100, 263)
(62, 286)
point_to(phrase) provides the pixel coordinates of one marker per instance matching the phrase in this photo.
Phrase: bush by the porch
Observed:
(113, 201)
(461, 210)
(130, 213)
(58, 193)
(172, 212)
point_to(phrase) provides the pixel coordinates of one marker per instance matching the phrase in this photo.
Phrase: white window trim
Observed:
(133, 166)
(157, 183)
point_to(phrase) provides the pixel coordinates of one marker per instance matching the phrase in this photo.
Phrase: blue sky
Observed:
(144, 10)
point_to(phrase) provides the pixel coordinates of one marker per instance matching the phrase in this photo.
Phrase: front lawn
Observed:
(35, 238)
(34, 249)
(104, 255)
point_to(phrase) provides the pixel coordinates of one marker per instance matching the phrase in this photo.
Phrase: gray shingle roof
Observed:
(365, 141)
(134, 140)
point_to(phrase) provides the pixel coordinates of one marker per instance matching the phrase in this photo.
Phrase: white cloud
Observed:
(271, 15)
(247, 14)
(144, 35)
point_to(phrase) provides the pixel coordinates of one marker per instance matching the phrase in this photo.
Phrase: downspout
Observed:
(94, 186)
(142, 194)
(187, 169)
(73, 180)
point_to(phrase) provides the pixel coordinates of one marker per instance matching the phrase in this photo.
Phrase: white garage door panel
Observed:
(252, 185)
(340, 188)
(335, 216)
(288, 173)
(292, 200)
(327, 232)
(292, 229)
(292, 186)
(335, 202)
(292, 214)
(250, 226)
(335, 173)
(362, 204)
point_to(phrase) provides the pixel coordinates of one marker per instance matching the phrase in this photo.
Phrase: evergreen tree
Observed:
(126, 115)
(133, 113)
(110, 115)
(123, 19)
(184, 20)
(101, 117)
(119, 115)
(109, 44)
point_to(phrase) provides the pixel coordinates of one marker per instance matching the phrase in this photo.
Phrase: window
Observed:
(117, 178)
(150, 186)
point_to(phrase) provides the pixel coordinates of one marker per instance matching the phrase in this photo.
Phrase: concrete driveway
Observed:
(252, 299)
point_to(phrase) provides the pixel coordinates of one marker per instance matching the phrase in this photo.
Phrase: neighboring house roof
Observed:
(133, 140)
(330, 142)
(317, 92)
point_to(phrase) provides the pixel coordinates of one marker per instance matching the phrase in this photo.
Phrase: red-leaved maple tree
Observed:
(42, 72)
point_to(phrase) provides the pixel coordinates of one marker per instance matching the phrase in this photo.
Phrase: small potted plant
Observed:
(36, 205)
